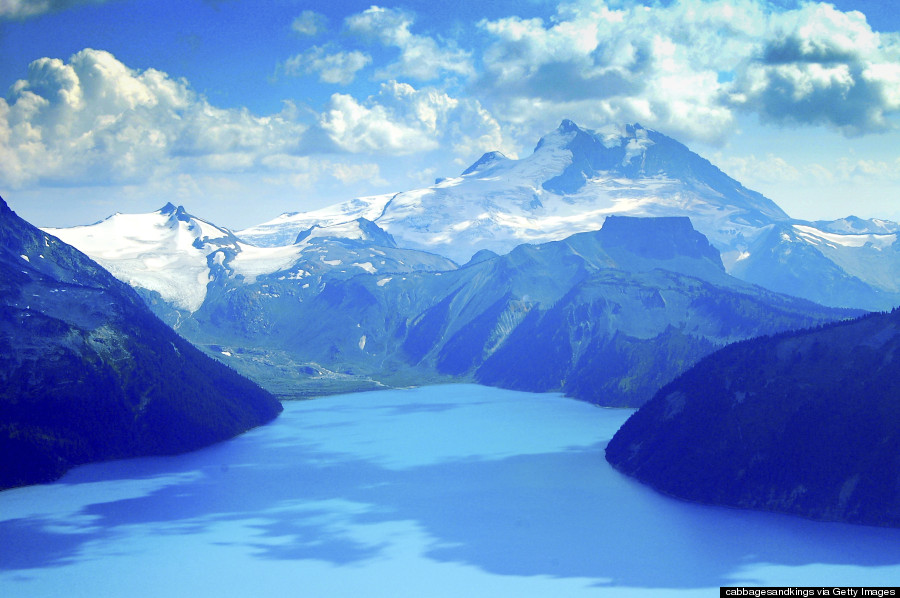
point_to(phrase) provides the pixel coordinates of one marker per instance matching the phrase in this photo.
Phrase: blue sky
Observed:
(243, 110)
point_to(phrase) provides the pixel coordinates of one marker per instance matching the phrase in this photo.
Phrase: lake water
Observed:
(454, 491)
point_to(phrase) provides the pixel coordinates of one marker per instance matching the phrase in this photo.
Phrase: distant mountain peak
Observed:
(486, 160)
(175, 212)
(568, 126)
(359, 230)
(482, 255)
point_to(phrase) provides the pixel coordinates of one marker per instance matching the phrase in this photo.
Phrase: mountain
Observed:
(852, 225)
(858, 269)
(164, 251)
(88, 373)
(620, 311)
(806, 423)
(284, 229)
(172, 256)
(659, 302)
(576, 177)
(570, 183)
(803, 423)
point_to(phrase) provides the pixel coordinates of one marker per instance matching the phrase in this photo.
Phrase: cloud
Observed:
(309, 23)
(658, 66)
(767, 169)
(353, 173)
(93, 120)
(307, 171)
(823, 66)
(421, 57)
(690, 66)
(401, 119)
(335, 67)
(23, 9)
(775, 172)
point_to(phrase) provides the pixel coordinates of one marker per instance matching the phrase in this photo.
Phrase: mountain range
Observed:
(576, 177)
(621, 310)
(88, 373)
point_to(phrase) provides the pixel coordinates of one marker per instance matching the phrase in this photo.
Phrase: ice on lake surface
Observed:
(456, 490)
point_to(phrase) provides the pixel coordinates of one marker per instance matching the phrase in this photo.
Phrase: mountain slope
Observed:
(88, 373)
(806, 423)
(848, 269)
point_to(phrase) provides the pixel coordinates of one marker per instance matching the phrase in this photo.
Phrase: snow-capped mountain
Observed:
(176, 255)
(860, 270)
(851, 225)
(164, 251)
(576, 177)
(284, 229)
(569, 184)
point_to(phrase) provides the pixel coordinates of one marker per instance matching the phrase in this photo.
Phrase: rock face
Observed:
(88, 373)
(806, 423)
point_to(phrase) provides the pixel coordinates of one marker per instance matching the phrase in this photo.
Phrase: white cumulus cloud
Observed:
(819, 65)
(421, 56)
(401, 119)
(94, 120)
(332, 67)
(688, 67)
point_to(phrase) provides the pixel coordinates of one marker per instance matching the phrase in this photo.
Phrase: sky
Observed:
(242, 110)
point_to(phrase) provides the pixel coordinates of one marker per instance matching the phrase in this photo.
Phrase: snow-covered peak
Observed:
(163, 251)
(359, 230)
(569, 136)
(855, 225)
(485, 162)
(283, 229)
(817, 236)
(166, 229)
(570, 183)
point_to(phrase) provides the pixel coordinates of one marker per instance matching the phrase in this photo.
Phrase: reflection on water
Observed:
(439, 491)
